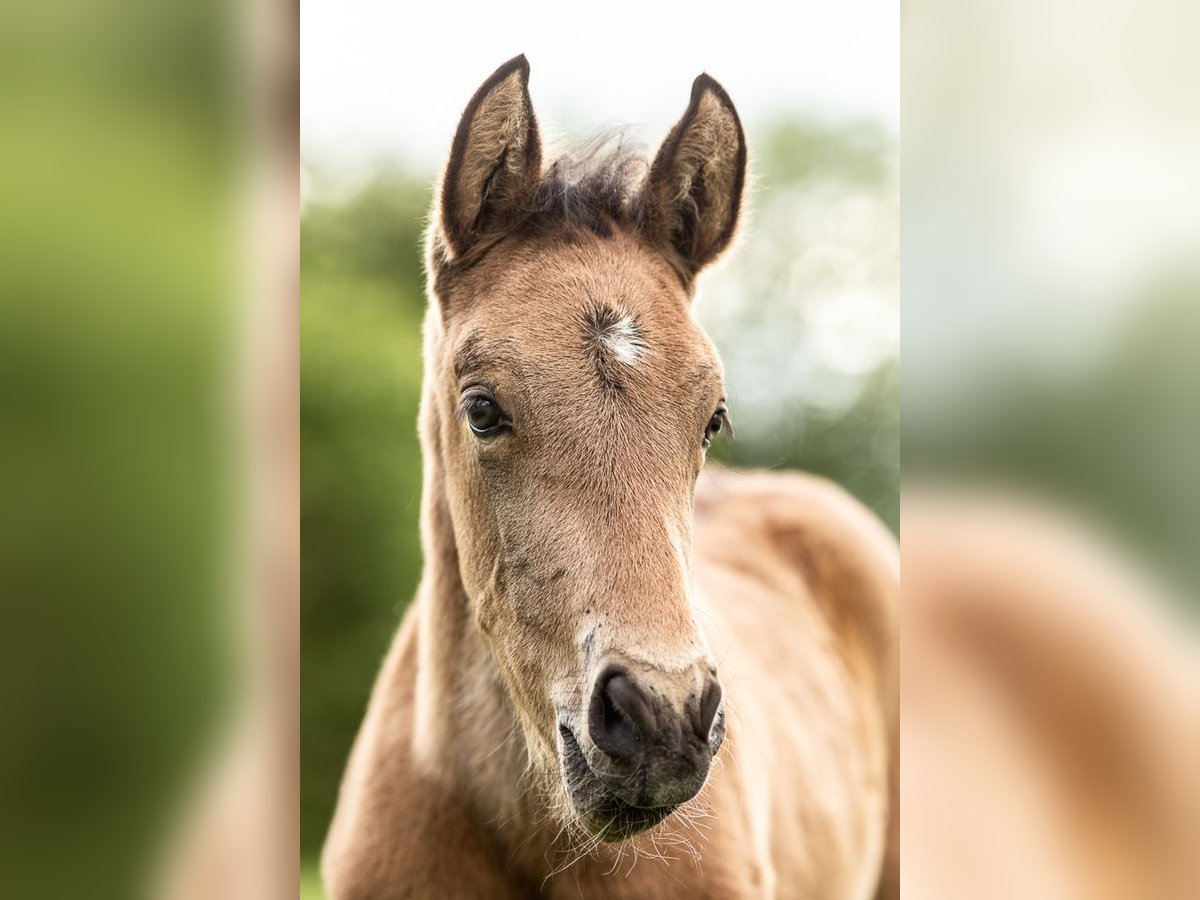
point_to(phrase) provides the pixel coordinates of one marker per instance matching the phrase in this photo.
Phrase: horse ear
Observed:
(693, 194)
(495, 161)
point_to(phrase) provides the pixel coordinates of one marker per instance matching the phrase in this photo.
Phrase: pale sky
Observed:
(381, 79)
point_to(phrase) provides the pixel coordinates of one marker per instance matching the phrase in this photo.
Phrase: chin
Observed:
(604, 815)
(612, 820)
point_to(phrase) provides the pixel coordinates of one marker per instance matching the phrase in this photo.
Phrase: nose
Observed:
(657, 750)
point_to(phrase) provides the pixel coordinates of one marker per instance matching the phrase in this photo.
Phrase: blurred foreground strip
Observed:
(1051, 307)
(147, 306)
(1051, 711)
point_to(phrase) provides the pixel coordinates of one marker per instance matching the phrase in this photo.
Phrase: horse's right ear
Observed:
(495, 162)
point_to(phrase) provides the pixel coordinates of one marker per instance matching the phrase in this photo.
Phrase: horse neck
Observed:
(466, 730)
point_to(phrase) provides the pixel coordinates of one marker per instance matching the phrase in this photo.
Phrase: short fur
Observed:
(586, 533)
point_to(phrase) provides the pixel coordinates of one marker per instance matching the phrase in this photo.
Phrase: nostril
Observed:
(629, 701)
(619, 715)
(710, 702)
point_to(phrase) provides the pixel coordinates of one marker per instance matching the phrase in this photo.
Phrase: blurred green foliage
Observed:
(1116, 437)
(117, 233)
(310, 883)
(362, 305)
(798, 151)
(362, 302)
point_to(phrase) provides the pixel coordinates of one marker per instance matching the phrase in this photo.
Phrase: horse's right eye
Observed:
(484, 417)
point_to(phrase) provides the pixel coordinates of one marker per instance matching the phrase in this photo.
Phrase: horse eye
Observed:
(485, 417)
(718, 420)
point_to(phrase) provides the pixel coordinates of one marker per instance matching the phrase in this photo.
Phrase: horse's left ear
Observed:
(693, 194)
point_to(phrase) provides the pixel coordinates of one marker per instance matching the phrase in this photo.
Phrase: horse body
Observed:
(621, 677)
(796, 807)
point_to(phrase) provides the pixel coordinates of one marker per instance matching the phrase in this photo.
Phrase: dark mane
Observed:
(595, 187)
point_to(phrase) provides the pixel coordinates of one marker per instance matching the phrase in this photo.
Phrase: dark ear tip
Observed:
(517, 64)
(504, 72)
(705, 82)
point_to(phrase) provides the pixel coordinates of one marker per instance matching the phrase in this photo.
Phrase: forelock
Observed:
(596, 187)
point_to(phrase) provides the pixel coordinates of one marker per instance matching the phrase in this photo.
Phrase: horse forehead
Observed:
(596, 321)
(548, 276)
(615, 354)
(589, 336)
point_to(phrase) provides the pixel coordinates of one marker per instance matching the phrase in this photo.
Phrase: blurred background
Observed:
(805, 314)
(147, 537)
(1052, 261)
(149, 269)
(1051, 432)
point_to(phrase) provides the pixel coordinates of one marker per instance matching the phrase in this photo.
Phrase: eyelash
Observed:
(723, 423)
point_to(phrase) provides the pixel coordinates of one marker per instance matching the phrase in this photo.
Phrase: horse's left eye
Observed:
(718, 420)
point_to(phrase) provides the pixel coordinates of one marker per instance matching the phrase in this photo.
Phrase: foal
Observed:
(620, 678)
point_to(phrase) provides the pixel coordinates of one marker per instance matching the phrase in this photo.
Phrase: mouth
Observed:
(604, 814)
